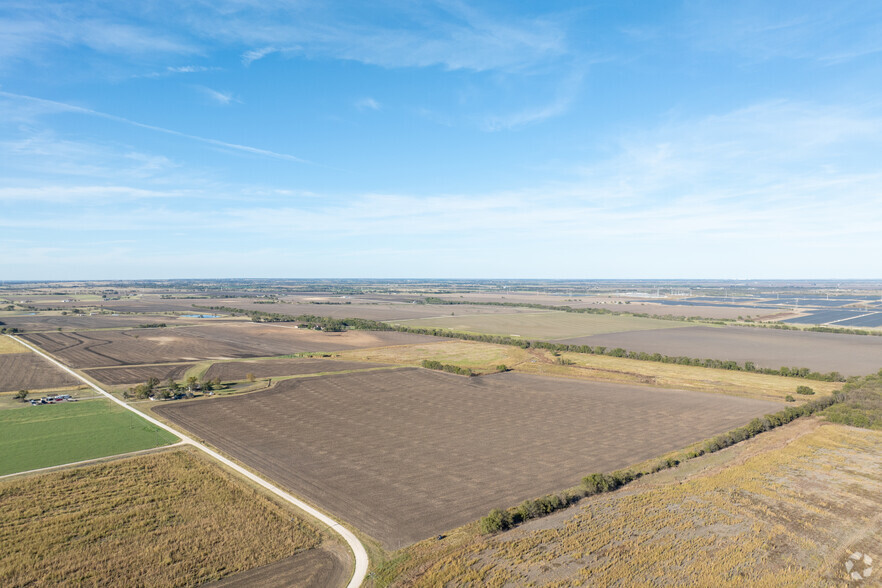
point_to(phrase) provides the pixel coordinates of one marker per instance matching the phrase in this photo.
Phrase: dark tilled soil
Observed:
(410, 453)
(324, 567)
(29, 371)
(138, 374)
(850, 355)
(272, 368)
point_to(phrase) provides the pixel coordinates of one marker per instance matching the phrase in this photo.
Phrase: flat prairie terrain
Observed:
(29, 371)
(219, 341)
(272, 368)
(787, 508)
(409, 453)
(165, 519)
(546, 325)
(115, 376)
(850, 355)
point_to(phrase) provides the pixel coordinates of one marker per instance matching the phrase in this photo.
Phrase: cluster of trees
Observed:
(10, 330)
(152, 389)
(152, 326)
(305, 321)
(860, 404)
(499, 520)
(445, 367)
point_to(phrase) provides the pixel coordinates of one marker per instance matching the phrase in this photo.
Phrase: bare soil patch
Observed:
(409, 453)
(29, 371)
(326, 566)
(219, 341)
(272, 368)
(851, 355)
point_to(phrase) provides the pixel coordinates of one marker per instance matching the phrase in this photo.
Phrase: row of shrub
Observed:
(597, 483)
(816, 329)
(446, 367)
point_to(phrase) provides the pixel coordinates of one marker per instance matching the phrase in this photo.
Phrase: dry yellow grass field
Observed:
(165, 519)
(787, 508)
(10, 345)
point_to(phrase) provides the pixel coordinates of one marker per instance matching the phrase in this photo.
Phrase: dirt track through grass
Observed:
(405, 454)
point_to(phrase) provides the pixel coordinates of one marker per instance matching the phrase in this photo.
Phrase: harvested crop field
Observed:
(409, 453)
(851, 355)
(546, 325)
(273, 368)
(220, 341)
(165, 519)
(138, 374)
(29, 371)
(789, 508)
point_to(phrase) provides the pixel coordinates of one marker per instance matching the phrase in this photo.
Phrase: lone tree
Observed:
(249, 376)
(21, 395)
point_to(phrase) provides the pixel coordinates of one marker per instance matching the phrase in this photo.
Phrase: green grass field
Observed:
(34, 437)
(542, 325)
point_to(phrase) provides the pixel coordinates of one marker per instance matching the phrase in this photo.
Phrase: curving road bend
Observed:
(358, 550)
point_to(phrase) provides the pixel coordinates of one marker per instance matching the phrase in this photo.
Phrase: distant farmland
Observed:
(405, 454)
(547, 325)
(851, 355)
(219, 341)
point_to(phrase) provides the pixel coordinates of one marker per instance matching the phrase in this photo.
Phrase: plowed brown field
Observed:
(29, 371)
(272, 368)
(405, 454)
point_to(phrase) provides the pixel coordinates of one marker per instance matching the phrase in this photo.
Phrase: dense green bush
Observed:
(805, 390)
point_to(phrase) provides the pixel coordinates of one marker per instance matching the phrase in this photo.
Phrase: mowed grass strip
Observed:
(164, 519)
(33, 437)
(542, 325)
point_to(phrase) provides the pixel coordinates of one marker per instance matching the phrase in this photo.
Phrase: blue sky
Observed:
(240, 138)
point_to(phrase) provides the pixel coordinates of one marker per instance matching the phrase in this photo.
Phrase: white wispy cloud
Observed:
(190, 69)
(367, 103)
(253, 55)
(224, 98)
(217, 143)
